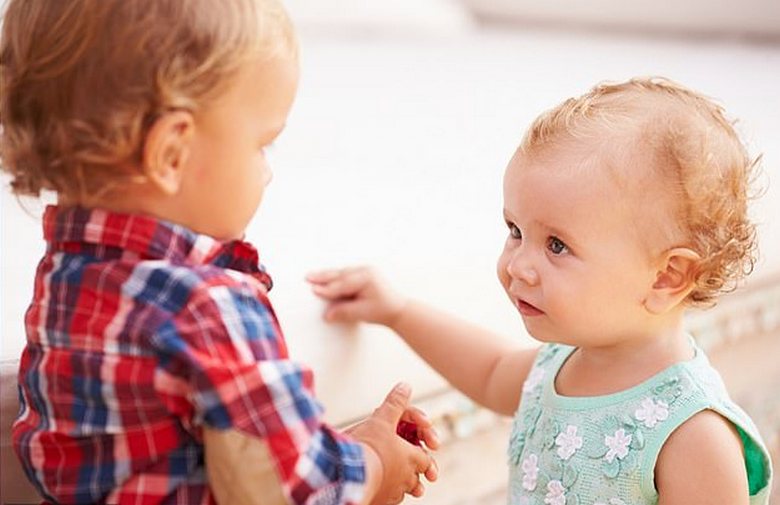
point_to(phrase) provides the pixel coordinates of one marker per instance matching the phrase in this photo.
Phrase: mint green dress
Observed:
(602, 450)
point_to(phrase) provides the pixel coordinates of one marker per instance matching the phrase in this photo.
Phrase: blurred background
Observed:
(407, 114)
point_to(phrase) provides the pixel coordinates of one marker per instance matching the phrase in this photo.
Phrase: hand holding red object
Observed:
(408, 431)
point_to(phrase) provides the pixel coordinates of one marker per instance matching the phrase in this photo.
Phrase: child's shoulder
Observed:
(711, 439)
(705, 449)
(182, 288)
(150, 261)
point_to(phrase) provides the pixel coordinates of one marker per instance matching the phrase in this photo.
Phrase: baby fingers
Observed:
(426, 465)
(345, 284)
(432, 472)
(324, 276)
(425, 433)
(418, 490)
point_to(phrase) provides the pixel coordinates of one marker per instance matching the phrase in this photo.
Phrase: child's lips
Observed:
(527, 309)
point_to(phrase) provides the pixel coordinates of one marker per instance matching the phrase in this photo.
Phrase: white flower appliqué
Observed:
(556, 494)
(530, 472)
(612, 501)
(534, 379)
(568, 442)
(651, 412)
(617, 444)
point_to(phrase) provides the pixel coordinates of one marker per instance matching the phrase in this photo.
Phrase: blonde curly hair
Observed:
(82, 81)
(694, 149)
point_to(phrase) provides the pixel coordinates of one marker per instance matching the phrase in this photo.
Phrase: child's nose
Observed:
(521, 267)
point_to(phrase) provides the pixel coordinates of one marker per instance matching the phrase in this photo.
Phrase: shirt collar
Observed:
(148, 237)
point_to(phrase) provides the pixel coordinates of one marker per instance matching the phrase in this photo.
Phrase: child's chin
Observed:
(544, 336)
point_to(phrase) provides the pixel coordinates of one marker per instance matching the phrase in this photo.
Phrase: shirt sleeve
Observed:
(224, 364)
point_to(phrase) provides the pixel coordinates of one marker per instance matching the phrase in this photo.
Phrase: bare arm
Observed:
(241, 471)
(702, 463)
(488, 368)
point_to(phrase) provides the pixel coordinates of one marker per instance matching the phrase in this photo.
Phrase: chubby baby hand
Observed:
(400, 463)
(356, 294)
(417, 429)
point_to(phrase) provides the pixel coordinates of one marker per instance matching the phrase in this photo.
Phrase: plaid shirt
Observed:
(141, 332)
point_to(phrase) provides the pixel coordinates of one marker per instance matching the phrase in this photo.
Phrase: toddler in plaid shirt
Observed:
(155, 370)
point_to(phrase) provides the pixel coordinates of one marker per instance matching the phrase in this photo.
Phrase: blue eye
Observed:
(556, 246)
(514, 231)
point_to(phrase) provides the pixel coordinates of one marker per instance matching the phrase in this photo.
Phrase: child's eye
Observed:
(556, 246)
(514, 231)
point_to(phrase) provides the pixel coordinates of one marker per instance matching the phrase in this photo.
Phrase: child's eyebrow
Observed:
(559, 233)
(552, 230)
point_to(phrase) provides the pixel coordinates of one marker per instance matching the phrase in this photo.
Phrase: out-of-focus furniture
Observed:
(14, 486)
(751, 18)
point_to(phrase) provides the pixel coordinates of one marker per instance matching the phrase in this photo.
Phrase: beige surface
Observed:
(14, 487)
(473, 470)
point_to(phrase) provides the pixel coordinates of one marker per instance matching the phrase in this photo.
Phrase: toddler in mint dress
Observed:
(625, 208)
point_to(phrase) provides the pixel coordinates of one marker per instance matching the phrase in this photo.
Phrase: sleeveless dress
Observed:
(602, 450)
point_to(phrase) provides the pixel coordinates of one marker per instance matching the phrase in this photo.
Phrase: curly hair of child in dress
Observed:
(625, 208)
(155, 370)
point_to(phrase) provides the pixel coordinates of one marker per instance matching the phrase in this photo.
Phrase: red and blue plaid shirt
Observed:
(141, 332)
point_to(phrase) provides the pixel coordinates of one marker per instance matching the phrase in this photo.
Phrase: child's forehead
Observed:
(590, 192)
(568, 181)
(621, 159)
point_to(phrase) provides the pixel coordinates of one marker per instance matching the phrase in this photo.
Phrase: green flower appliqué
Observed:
(670, 390)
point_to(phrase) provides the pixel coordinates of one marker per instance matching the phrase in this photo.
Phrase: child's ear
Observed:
(674, 280)
(166, 149)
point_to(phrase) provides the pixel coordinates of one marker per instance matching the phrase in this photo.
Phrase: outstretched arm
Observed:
(488, 368)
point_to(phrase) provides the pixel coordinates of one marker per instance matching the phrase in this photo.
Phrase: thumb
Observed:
(395, 404)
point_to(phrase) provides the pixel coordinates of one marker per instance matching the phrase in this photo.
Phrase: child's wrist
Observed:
(395, 315)
(374, 472)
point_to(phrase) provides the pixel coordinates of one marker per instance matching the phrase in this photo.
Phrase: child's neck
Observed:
(594, 371)
(130, 200)
(139, 199)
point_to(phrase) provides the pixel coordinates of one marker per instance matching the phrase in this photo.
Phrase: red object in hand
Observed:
(408, 431)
